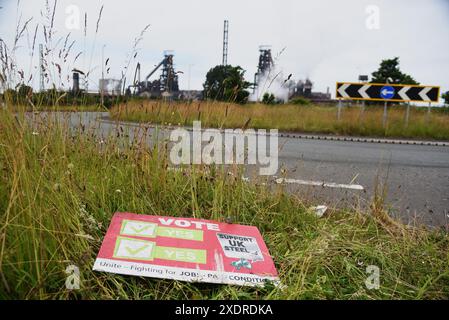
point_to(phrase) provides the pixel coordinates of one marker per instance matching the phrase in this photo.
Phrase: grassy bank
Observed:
(59, 189)
(298, 118)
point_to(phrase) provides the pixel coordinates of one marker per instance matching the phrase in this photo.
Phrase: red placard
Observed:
(185, 249)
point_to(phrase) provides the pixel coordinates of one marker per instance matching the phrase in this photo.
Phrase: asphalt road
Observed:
(415, 177)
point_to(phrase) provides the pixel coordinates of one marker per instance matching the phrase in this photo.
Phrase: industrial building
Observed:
(166, 85)
(266, 76)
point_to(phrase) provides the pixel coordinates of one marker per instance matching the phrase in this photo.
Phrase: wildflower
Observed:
(88, 219)
(322, 280)
(35, 133)
(87, 236)
(83, 210)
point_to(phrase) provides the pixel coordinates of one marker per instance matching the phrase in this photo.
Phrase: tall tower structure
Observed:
(225, 42)
(169, 78)
(266, 63)
(265, 60)
(76, 83)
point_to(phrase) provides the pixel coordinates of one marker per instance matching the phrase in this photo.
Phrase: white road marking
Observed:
(320, 184)
(299, 181)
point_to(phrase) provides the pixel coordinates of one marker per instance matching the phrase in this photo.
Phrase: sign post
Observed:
(387, 92)
(362, 111)
(339, 110)
(407, 114)
(362, 79)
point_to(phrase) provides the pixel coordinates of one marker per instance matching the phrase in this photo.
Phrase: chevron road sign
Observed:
(387, 92)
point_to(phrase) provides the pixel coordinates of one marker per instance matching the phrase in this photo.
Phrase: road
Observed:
(416, 177)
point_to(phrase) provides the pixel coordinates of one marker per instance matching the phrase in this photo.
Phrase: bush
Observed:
(300, 101)
(268, 98)
(445, 96)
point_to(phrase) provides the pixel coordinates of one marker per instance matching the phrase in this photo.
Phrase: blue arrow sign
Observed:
(387, 92)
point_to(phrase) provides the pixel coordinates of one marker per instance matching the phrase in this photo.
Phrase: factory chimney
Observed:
(76, 82)
(225, 42)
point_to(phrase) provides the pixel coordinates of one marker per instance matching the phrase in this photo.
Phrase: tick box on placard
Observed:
(127, 248)
(138, 228)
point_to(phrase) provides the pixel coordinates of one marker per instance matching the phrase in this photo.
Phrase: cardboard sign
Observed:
(185, 249)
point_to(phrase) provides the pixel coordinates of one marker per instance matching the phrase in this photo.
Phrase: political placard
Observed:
(186, 249)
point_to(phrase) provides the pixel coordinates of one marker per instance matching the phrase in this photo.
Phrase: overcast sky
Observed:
(325, 40)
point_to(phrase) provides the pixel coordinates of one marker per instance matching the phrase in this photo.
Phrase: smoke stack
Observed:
(76, 82)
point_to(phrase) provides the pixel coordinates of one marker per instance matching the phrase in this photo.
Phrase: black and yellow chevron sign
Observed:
(387, 92)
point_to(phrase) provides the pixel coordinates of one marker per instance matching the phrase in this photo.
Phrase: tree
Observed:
(226, 83)
(24, 91)
(389, 68)
(21, 95)
(10, 96)
(445, 96)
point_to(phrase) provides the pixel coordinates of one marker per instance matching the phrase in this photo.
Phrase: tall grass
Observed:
(59, 189)
(58, 62)
(298, 118)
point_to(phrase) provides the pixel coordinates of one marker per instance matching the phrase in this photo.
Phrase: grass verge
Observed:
(59, 189)
(296, 118)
